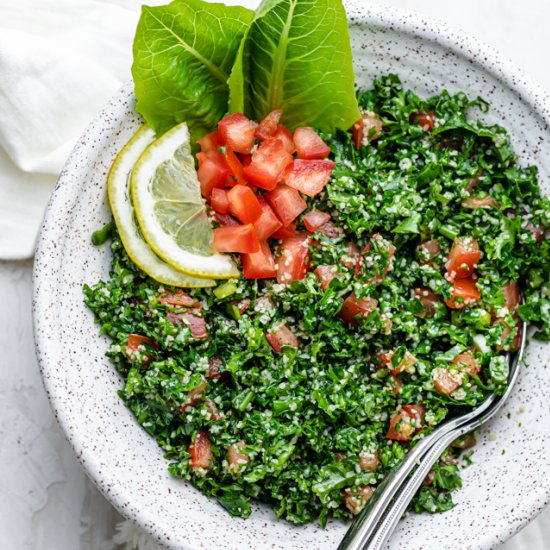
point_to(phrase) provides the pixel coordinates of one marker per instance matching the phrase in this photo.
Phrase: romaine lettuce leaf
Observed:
(296, 55)
(183, 55)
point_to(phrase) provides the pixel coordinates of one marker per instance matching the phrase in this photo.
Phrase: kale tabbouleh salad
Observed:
(386, 272)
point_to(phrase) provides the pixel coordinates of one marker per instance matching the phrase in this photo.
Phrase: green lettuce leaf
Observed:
(183, 55)
(296, 55)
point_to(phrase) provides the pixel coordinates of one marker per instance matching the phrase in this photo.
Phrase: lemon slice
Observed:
(118, 190)
(170, 210)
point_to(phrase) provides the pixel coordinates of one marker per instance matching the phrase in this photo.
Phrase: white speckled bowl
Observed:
(501, 491)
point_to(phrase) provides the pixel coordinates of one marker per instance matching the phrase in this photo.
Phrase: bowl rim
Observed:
(410, 23)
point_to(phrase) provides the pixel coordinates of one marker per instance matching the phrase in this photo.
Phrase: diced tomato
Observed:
(463, 258)
(268, 126)
(292, 259)
(193, 396)
(512, 296)
(308, 176)
(464, 442)
(193, 319)
(237, 132)
(280, 335)
(285, 136)
(225, 220)
(427, 251)
(353, 306)
(210, 142)
(215, 367)
(243, 204)
(236, 458)
(325, 274)
(445, 382)
(219, 201)
(352, 255)
(242, 305)
(213, 172)
(240, 238)
(245, 159)
(426, 120)
(285, 232)
(465, 293)
(201, 452)
(267, 223)
(287, 203)
(315, 219)
(538, 232)
(368, 126)
(356, 498)
(504, 343)
(235, 166)
(259, 265)
(268, 163)
(331, 230)
(406, 364)
(212, 409)
(429, 301)
(136, 340)
(384, 247)
(368, 461)
(466, 362)
(485, 202)
(177, 298)
(309, 145)
(406, 423)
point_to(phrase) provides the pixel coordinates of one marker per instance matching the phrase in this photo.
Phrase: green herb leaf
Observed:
(409, 225)
(183, 54)
(296, 56)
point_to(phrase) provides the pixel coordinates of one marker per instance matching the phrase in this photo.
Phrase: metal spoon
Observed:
(374, 525)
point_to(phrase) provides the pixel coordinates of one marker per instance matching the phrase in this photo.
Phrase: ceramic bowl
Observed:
(508, 483)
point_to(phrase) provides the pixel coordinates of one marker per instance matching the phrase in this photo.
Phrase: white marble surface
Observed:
(46, 500)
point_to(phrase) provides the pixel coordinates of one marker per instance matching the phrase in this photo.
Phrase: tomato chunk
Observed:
(193, 319)
(259, 265)
(236, 457)
(427, 251)
(285, 135)
(201, 452)
(267, 223)
(463, 258)
(213, 172)
(426, 120)
(356, 498)
(331, 230)
(406, 364)
(308, 176)
(309, 145)
(352, 256)
(315, 219)
(210, 142)
(237, 132)
(429, 301)
(466, 362)
(292, 259)
(366, 129)
(285, 232)
(268, 126)
(177, 298)
(136, 340)
(243, 204)
(485, 202)
(268, 164)
(465, 293)
(287, 203)
(280, 335)
(368, 461)
(225, 220)
(446, 381)
(219, 201)
(240, 238)
(406, 423)
(512, 296)
(235, 166)
(193, 396)
(325, 274)
(353, 306)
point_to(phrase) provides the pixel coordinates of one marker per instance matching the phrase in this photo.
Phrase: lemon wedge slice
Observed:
(118, 190)
(170, 210)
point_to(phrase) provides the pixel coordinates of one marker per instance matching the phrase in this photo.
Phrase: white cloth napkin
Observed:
(60, 61)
